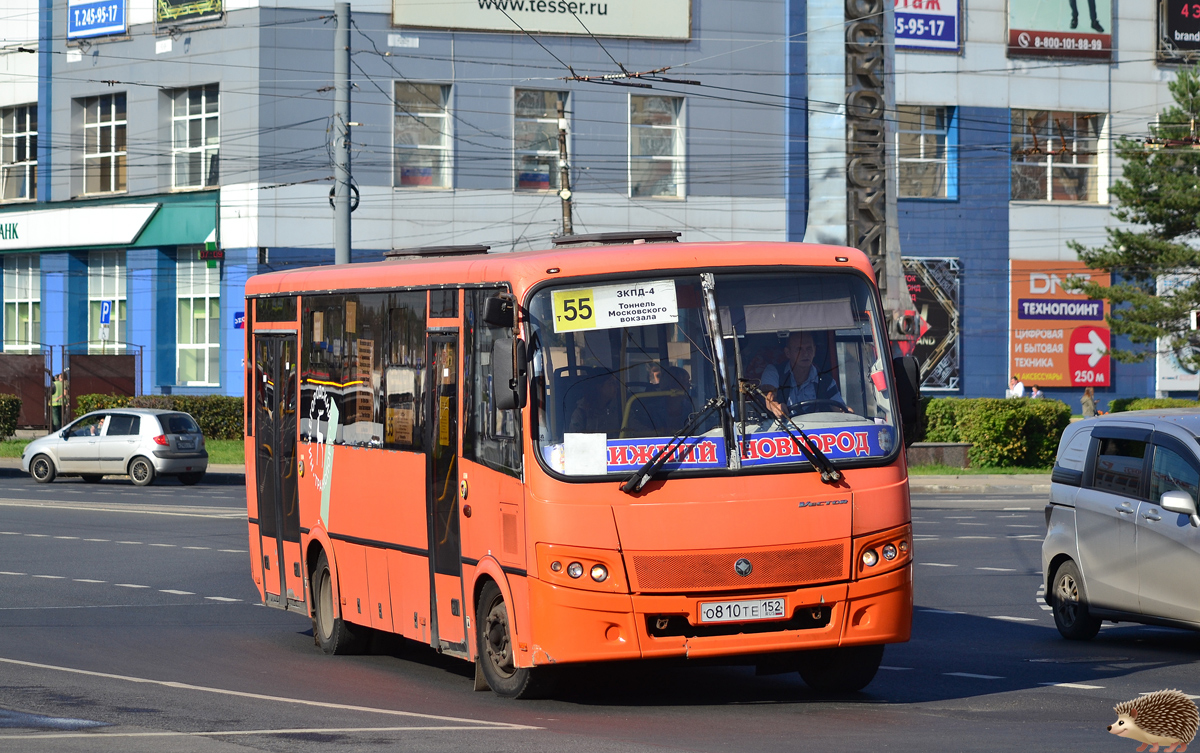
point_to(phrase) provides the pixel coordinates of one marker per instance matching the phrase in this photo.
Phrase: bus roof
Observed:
(523, 269)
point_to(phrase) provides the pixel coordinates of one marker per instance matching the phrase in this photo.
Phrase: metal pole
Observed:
(341, 134)
(564, 172)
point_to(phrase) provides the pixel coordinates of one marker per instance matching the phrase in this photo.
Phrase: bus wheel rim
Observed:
(325, 617)
(496, 641)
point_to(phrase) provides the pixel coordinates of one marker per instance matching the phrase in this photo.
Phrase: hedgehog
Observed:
(1166, 717)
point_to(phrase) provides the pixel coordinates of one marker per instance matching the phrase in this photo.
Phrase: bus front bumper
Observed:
(572, 625)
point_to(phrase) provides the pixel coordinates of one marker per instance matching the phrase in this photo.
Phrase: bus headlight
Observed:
(599, 573)
(869, 558)
(581, 567)
(575, 570)
(889, 552)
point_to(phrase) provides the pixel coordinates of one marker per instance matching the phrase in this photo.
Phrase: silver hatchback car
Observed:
(137, 442)
(1123, 533)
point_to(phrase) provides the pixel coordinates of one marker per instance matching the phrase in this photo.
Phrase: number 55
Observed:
(585, 310)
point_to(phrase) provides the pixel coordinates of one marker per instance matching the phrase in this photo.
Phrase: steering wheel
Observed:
(819, 406)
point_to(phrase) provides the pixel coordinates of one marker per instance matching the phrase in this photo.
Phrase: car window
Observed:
(1119, 465)
(1170, 473)
(1073, 455)
(88, 426)
(123, 425)
(178, 423)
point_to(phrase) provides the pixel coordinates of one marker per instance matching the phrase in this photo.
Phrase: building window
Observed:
(104, 143)
(106, 284)
(925, 146)
(535, 138)
(18, 153)
(1055, 155)
(656, 146)
(195, 136)
(198, 287)
(22, 303)
(422, 135)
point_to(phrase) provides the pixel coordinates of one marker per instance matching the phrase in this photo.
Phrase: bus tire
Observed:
(42, 469)
(494, 651)
(840, 670)
(333, 634)
(141, 471)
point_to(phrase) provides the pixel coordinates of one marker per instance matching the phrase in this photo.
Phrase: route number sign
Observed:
(610, 306)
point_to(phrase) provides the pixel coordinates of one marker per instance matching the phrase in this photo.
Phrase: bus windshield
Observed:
(620, 366)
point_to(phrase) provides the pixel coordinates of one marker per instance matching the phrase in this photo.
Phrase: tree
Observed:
(1159, 194)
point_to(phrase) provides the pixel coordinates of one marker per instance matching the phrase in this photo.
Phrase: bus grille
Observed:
(710, 571)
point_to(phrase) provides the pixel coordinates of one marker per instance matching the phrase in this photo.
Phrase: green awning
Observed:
(182, 220)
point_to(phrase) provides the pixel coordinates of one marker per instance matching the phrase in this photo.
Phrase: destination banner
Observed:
(692, 454)
(773, 448)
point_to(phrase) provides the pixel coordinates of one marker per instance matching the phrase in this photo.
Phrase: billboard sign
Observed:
(928, 25)
(173, 12)
(1037, 28)
(1178, 29)
(661, 19)
(95, 18)
(1057, 339)
(933, 284)
(1170, 374)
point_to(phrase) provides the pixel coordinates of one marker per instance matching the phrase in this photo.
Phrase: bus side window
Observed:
(491, 436)
(322, 342)
(404, 372)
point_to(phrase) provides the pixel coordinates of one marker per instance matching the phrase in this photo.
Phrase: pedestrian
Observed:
(1016, 388)
(56, 402)
(1088, 401)
(1036, 392)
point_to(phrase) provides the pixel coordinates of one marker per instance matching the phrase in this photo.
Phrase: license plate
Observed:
(743, 611)
(187, 444)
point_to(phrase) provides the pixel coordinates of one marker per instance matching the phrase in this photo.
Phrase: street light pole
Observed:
(341, 134)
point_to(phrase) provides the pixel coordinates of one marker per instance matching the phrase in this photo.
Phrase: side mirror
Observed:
(64, 434)
(1177, 501)
(907, 373)
(499, 311)
(509, 373)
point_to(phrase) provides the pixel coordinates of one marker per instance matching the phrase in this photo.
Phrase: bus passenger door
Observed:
(275, 469)
(447, 614)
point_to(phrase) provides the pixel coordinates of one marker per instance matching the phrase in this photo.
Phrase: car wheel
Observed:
(333, 634)
(840, 670)
(141, 471)
(91, 478)
(190, 479)
(494, 651)
(42, 469)
(1069, 602)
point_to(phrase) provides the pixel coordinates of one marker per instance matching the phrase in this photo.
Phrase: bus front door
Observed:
(447, 615)
(275, 470)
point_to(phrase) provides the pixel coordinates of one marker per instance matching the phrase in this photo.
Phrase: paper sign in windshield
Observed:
(611, 306)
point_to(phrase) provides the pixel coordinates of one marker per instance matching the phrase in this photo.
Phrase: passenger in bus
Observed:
(601, 411)
(797, 380)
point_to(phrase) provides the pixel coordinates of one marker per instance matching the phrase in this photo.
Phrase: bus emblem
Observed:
(743, 567)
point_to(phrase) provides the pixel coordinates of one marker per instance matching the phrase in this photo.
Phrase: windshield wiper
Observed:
(829, 474)
(634, 483)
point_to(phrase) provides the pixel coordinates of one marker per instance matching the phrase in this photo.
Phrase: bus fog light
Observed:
(599, 573)
(575, 570)
(904, 546)
(556, 566)
(869, 558)
(889, 552)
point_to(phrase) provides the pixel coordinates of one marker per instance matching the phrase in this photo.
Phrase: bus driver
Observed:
(800, 381)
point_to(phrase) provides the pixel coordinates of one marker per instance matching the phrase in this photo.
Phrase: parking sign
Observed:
(105, 312)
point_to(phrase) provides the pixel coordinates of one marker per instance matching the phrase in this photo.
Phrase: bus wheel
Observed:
(333, 634)
(494, 651)
(840, 670)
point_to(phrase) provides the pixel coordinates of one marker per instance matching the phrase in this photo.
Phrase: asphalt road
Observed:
(130, 623)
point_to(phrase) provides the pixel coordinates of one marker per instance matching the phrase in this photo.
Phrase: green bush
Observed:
(996, 430)
(1048, 419)
(1120, 404)
(219, 416)
(941, 422)
(1002, 432)
(10, 411)
(1159, 403)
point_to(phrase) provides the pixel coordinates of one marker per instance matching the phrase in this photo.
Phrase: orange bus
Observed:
(593, 453)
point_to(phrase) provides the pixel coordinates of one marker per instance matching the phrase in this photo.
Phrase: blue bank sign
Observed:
(928, 25)
(94, 18)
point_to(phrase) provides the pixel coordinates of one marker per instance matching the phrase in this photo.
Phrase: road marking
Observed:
(973, 524)
(88, 580)
(998, 569)
(1037, 536)
(895, 669)
(10, 533)
(1010, 509)
(129, 585)
(6, 572)
(480, 723)
(960, 517)
(129, 542)
(936, 564)
(75, 538)
(96, 540)
(974, 537)
(38, 535)
(235, 551)
(1021, 525)
(172, 510)
(197, 547)
(480, 727)
(170, 545)
(177, 593)
(1077, 685)
(1045, 608)
(220, 598)
(973, 676)
(51, 577)
(1013, 619)
(938, 611)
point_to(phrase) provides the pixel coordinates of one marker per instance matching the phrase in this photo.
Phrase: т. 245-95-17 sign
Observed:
(1058, 339)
